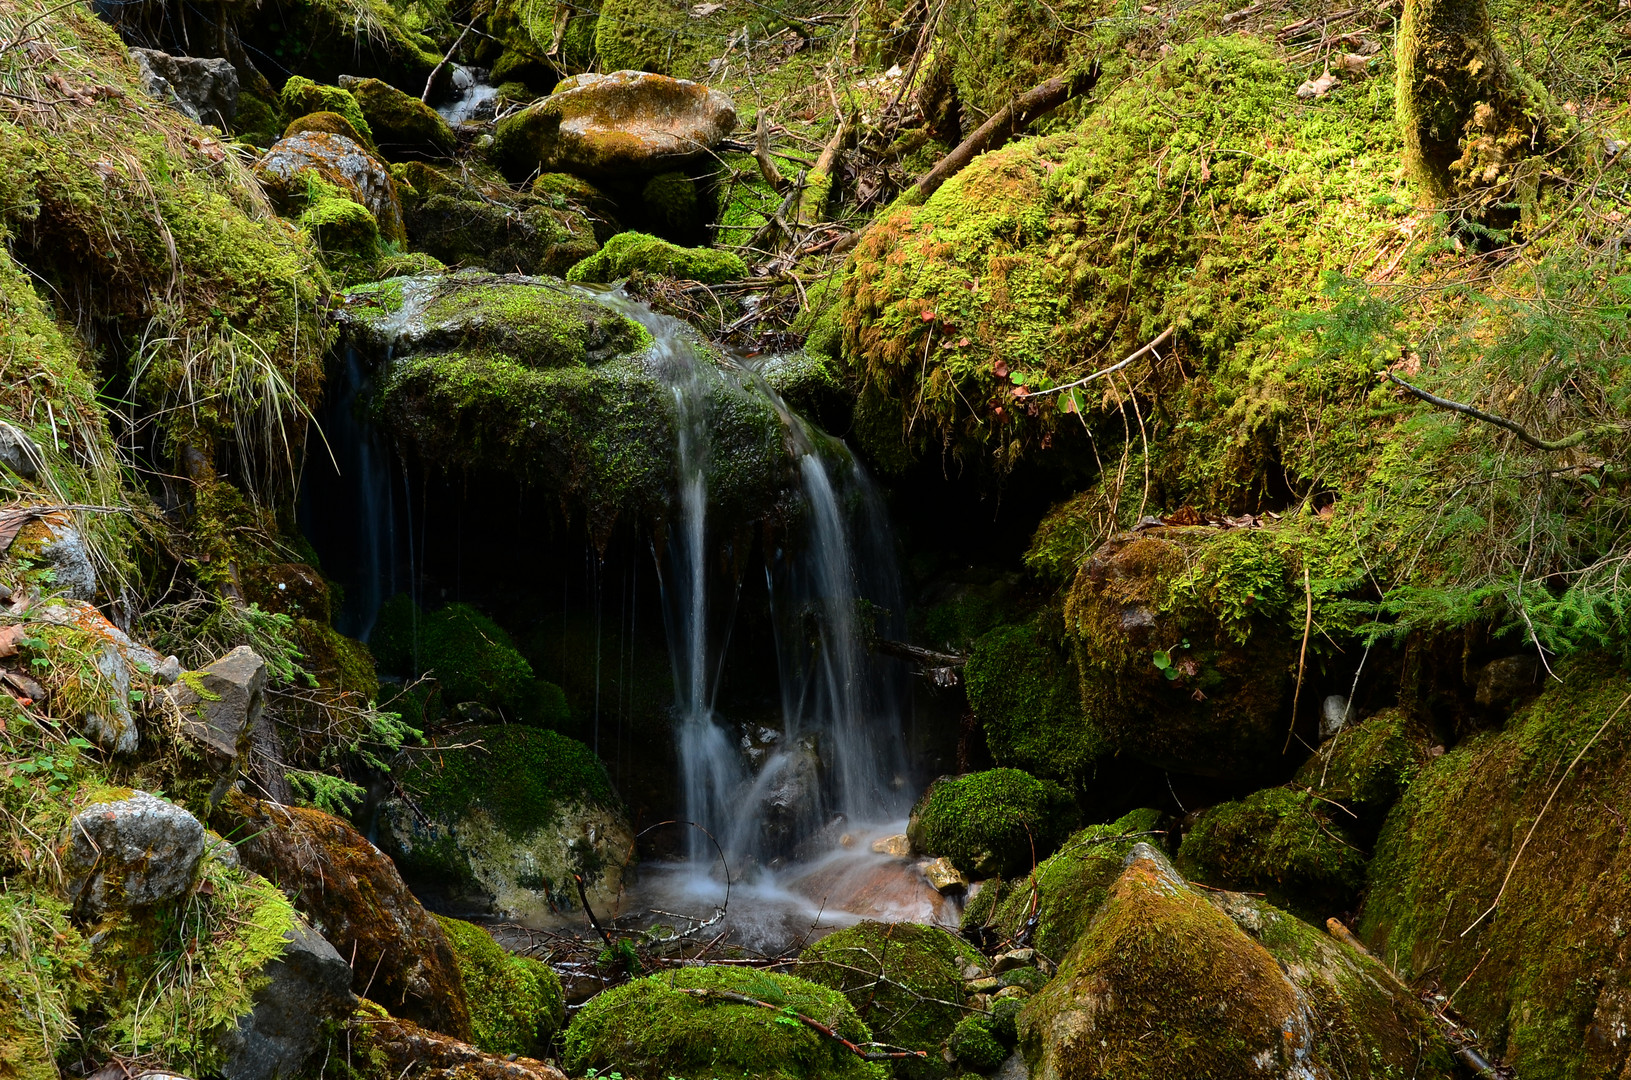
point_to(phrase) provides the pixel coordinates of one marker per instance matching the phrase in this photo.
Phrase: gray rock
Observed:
(60, 612)
(309, 984)
(113, 727)
(1507, 680)
(1334, 713)
(19, 453)
(1013, 1068)
(130, 852)
(202, 90)
(62, 549)
(614, 126)
(1014, 958)
(221, 704)
(336, 160)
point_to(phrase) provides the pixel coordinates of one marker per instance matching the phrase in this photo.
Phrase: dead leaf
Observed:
(701, 11)
(1353, 64)
(999, 368)
(1317, 88)
(9, 637)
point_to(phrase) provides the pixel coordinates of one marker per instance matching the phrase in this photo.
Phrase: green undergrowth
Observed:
(522, 776)
(668, 1024)
(993, 823)
(516, 1006)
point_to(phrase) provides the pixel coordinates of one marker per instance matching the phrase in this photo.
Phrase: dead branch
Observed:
(437, 70)
(1112, 369)
(761, 154)
(810, 210)
(1567, 442)
(1008, 121)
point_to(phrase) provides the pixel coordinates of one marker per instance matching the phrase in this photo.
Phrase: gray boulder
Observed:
(1507, 680)
(202, 90)
(222, 704)
(18, 452)
(309, 984)
(130, 852)
(612, 126)
(336, 160)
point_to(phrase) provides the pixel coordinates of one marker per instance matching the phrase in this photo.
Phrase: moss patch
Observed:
(628, 253)
(471, 657)
(666, 1025)
(992, 823)
(1023, 686)
(516, 1005)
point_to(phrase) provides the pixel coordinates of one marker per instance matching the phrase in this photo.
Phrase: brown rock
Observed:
(399, 953)
(613, 125)
(896, 845)
(338, 161)
(396, 1046)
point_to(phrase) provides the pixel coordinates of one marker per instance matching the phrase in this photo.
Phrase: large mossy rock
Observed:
(1055, 903)
(614, 127)
(289, 168)
(1184, 648)
(1544, 978)
(1366, 766)
(675, 1024)
(1282, 842)
(516, 1003)
(403, 126)
(1056, 255)
(535, 379)
(1023, 688)
(1167, 981)
(905, 981)
(336, 878)
(993, 823)
(510, 821)
(471, 657)
(470, 219)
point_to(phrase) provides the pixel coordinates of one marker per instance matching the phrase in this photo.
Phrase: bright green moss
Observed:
(644, 35)
(904, 980)
(538, 326)
(44, 979)
(401, 125)
(1024, 690)
(302, 97)
(1068, 887)
(1368, 765)
(522, 776)
(346, 233)
(627, 253)
(667, 1025)
(1281, 842)
(975, 1045)
(331, 122)
(516, 1004)
(999, 822)
(471, 657)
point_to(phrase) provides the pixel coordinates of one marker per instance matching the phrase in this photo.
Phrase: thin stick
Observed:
(437, 70)
(1302, 658)
(814, 1025)
(1567, 442)
(1112, 369)
(1546, 806)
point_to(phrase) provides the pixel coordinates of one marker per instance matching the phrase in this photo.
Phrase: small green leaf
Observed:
(1162, 660)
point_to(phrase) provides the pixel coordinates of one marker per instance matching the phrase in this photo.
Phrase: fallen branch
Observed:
(917, 654)
(589, 911)
(819, 180)
(761, 154)
(437, 70)
(1008, 121)
(814, 1025)
(1112, 369)
(1567, 442)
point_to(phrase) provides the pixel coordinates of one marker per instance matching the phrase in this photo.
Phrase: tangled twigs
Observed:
(857, 1049)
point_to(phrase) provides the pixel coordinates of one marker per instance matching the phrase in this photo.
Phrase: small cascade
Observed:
(473, 98)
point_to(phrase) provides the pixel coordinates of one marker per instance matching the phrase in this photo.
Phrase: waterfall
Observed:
(840, 748)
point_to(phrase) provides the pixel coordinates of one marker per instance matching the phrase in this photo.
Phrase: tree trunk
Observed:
(1471, 118)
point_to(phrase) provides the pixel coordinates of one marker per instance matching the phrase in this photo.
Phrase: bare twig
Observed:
(437, 70)
(1567, 442)
(1302, 659)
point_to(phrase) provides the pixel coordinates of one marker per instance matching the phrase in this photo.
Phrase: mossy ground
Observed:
(666, 1025)
(998, 822)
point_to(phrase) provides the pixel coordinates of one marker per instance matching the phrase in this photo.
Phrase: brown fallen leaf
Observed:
(1317, 88)
(9, 637)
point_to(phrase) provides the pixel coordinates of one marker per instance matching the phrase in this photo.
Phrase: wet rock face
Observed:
(355, 897)
(205, 91)
(338, 161)
(610, 126)
(131, 852)
(309, 984)
(1235, 988)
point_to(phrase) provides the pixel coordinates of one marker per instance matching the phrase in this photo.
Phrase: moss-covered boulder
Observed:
(1023, 687)
(516, 1004)
(905, 981)
(1232, 987)
(629, 253)
(1543, 976)
(315, 166)
(1051, 907)
(302, 97)
(1368, 765)
(471, 657)
(324, 39)
(336, 878)
(679, 1023)
(994, 823)
(510, 821)
(467, 218)
(535, 379)
(975, 1045)
(1184, 649)
(324, 120)
(403, 127)
(615, 127)
(378, 1046)
(1282, 842)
